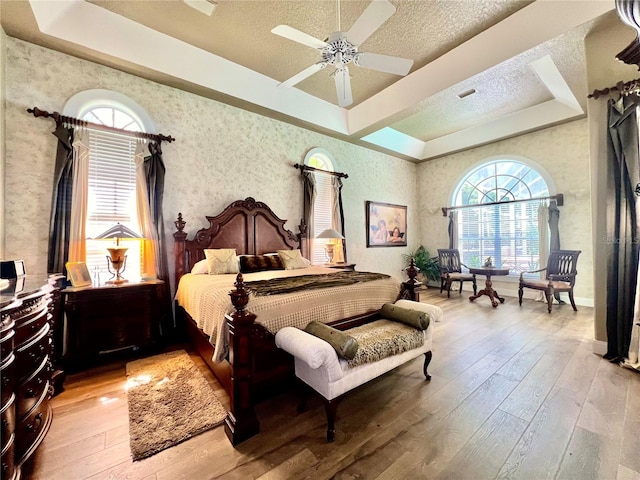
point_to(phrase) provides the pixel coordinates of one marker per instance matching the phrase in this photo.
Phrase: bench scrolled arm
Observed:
(313, 351)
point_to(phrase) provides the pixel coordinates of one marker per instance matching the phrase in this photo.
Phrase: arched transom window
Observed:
(504, 225)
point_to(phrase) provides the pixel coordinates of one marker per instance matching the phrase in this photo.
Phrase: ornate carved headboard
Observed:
(249, 226)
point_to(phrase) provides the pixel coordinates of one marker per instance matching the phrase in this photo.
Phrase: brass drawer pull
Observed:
(32, 427)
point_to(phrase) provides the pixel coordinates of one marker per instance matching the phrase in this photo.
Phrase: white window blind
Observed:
(507, 233)
(112, 199)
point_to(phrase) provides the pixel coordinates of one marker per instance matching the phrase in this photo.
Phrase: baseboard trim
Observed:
(599, 347)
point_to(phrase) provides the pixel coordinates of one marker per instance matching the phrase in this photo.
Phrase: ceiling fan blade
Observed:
(371, 19)
(343, 87)
(307, 72)
(297, 36)
(384, 63)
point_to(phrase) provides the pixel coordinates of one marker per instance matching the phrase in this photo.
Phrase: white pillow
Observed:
(222, 260)
(292, 259)
(200, 267)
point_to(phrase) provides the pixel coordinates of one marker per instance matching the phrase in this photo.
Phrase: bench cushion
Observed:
(381, 339)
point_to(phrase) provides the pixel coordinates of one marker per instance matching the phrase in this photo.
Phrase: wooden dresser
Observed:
(26, 344)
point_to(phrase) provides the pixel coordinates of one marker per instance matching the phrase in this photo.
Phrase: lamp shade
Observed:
(330, 233)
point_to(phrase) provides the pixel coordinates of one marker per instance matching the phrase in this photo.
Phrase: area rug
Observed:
(169, 401)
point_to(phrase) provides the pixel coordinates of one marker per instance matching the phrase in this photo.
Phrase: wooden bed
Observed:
(255, 367)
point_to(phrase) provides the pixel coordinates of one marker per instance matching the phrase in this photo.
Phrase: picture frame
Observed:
(386, 225)
(78, 273)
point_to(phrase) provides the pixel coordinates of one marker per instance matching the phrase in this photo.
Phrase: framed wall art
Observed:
(386, 225)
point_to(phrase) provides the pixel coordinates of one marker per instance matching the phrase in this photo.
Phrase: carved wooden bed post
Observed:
(179, 249)
(409, 289)
(241, 422)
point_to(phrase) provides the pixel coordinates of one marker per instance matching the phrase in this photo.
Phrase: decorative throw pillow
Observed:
(408, 316)
(345, 345)
(292, 259)
(200, 267)
(260, 263)
(221, 260)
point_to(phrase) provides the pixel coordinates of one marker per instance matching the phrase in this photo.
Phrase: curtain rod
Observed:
(158, 137)
(306, 167)
(624, 88)
(559, 198)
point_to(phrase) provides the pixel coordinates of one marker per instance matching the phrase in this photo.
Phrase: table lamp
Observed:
(117, 258)
(333, 238)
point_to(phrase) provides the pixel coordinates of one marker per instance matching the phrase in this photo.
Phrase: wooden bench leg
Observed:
(331, 407)
(427, 360)
(302, 389)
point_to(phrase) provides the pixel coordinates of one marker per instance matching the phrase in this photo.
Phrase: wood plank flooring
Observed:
(515, 393)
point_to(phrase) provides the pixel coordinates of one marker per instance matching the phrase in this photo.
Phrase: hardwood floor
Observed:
(515, 394)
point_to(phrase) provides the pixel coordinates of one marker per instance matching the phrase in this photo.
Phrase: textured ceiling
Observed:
(431, 32)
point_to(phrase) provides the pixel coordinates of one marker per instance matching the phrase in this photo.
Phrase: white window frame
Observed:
(79, 106)
(513, 209)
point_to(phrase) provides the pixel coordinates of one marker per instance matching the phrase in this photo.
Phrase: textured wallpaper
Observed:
(3, 51)
(221, 154)
(563, 151)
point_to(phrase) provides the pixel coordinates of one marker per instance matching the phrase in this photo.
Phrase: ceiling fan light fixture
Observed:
(204, 6)
(341, 49)
(467, 93)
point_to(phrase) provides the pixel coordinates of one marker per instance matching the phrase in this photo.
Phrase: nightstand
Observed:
(111, 318)
(341, 266)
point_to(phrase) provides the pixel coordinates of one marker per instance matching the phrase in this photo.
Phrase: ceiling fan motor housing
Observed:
(339, 51)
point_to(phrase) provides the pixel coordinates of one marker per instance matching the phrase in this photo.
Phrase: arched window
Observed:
(112, 175)
(508, 231)
(323, 207)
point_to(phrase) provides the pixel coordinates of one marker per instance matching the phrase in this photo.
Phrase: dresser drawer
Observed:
(8, 466)
(7, 420)
(35, 389)
(7, 377)
(7, 336)
(30, 431)
(31, 355)
(25, 330)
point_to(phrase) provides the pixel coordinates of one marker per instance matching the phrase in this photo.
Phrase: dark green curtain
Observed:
(554, 234)
(554, 220)
(309, 197)
(452, 229)
(155, 172)
(622, 225)
(60, 219)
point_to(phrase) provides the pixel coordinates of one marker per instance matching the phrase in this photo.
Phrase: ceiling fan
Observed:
(341, 48)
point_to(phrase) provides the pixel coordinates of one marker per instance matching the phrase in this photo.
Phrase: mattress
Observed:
(206, 299)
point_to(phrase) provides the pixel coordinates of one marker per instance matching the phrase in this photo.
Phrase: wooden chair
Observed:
(561, 277)
(451, 270)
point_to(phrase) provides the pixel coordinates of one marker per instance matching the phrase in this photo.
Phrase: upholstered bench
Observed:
(317, 364)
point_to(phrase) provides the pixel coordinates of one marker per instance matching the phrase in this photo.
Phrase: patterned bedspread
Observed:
(206, 300)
